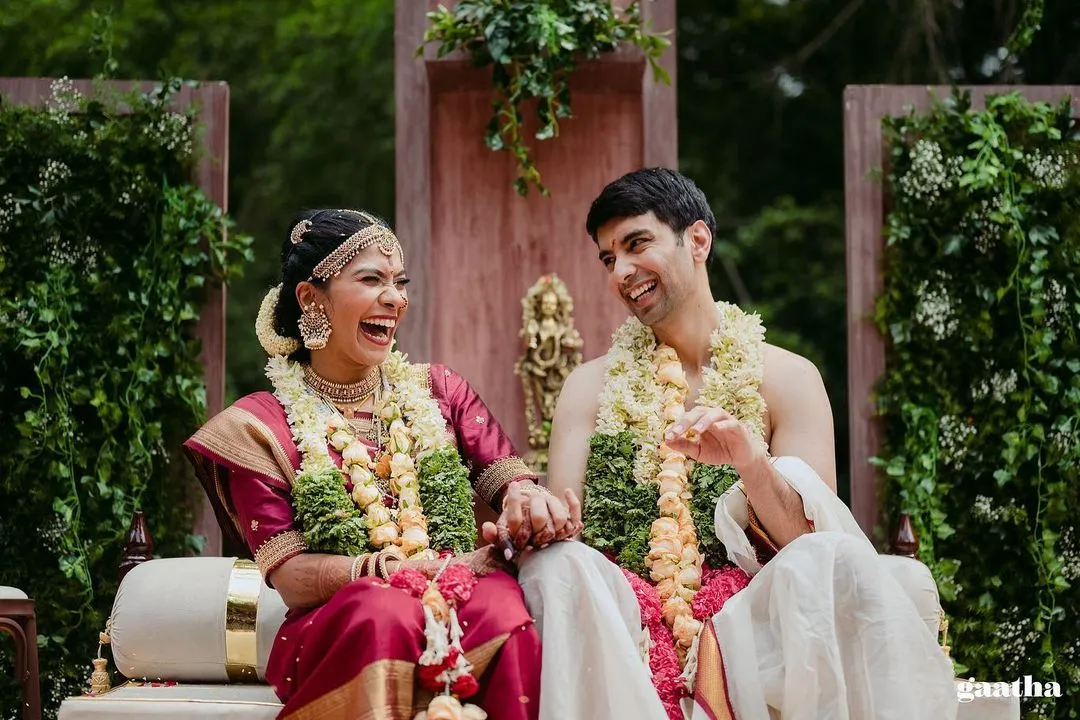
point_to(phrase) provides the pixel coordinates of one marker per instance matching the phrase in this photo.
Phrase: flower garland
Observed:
(644, 393)
(444, 668)
(344, 511)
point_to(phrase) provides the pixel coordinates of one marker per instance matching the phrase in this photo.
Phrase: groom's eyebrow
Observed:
(632, 235)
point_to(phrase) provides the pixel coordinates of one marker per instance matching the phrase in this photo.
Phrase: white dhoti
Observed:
(590, 630)
(823, 631)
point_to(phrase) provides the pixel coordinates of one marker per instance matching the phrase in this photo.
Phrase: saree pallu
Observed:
(355, 658)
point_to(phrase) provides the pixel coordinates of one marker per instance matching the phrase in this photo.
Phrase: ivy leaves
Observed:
(981, 400)
(108, 251)
(533, 47)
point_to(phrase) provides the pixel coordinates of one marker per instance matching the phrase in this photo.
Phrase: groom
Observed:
(705, 458)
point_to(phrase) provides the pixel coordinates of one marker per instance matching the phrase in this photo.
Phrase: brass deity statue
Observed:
(552, 351)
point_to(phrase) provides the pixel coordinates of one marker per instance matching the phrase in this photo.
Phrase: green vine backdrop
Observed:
(982, 395)
(107, 250)
(533, 47)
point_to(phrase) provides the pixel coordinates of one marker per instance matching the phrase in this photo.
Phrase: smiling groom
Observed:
(706, 461)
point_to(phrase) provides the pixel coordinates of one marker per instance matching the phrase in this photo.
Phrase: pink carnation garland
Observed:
(717, 586)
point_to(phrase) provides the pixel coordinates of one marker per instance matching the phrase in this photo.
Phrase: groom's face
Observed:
(648, 266)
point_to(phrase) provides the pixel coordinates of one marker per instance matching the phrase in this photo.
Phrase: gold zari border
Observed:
(498, 474)
(386, 690)
(241, 615)
(710, 687)
(272, 553)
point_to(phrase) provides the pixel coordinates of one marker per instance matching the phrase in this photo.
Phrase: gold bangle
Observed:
(357, 562)
(527, 488)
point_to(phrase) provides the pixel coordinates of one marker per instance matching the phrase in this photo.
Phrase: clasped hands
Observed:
(529, 520)
(533, 520)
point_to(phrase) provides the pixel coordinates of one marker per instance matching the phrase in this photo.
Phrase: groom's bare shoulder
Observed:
(785, 368)
(581, 391)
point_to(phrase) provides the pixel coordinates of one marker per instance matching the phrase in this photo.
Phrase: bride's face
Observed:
(365, 303)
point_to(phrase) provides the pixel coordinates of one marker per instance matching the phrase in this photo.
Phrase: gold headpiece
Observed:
(297, 234)
(375, 232)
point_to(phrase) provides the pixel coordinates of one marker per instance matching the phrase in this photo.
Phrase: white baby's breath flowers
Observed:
(1016, 635)
(52, 175)
(998, 386)
(1057, 303)
(954, 434)
(63, 99)
(10, 210)
(1048, 169)
(934, 309)
(979, 225)
(930, 174)
(173, 131)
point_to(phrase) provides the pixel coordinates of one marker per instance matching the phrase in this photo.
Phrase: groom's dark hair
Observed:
(671, 196)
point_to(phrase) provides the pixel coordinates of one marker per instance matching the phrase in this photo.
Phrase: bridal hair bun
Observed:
(273, 343)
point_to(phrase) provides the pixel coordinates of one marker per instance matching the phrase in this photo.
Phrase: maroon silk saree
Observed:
(356, 656)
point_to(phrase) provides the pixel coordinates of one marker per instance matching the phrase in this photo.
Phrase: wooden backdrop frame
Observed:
(211, 100)
(865, 151)
(473, 247)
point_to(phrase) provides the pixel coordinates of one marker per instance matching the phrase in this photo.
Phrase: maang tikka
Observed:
(314, 327)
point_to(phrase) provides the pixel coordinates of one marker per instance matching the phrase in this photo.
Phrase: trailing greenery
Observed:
(533, 47)
(709, 482)
(106, 256)
(617, 511)
(981, 399)
(330, 520)
(446, 496)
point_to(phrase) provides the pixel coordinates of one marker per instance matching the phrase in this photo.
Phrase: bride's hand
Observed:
(484, 561)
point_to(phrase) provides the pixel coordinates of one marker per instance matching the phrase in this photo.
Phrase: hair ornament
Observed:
(297, 234)
(273, 343)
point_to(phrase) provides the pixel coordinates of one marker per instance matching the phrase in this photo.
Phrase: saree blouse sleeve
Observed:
(485, 447)
(246, 459)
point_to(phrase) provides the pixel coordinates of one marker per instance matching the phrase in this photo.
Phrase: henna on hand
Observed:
(310, 579)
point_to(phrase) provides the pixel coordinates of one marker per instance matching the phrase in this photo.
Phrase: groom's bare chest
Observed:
(695, 381)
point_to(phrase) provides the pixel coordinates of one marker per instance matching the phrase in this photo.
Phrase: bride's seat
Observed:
(194, 634)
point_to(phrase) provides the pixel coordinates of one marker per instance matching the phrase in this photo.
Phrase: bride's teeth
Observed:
(382, 322)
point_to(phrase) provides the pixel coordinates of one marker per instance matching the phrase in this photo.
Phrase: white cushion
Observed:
(179, 702)
(919, 585)
(169, 621)
(10, 593)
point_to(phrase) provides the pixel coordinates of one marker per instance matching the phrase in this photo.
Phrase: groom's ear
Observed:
(700, 240)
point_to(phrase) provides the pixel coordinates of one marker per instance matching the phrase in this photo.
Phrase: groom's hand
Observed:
(714, 437)
(534, 519)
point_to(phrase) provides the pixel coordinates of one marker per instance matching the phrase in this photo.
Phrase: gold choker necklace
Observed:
(343, 393)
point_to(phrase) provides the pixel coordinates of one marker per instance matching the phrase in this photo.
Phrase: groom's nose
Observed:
(624, 270)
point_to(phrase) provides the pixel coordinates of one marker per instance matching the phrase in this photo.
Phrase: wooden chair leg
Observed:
(23, 633)
(32, 678)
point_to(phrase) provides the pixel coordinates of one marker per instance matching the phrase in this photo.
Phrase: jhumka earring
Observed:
(314, 327)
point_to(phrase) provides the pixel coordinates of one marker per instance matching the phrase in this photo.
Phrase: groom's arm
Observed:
(571, 427)
(802, 426)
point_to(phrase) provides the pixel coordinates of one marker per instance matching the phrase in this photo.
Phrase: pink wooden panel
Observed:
(212, 102)
(473, 244)
(864, 151)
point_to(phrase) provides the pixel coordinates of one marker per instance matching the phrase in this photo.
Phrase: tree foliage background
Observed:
(760, 120)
